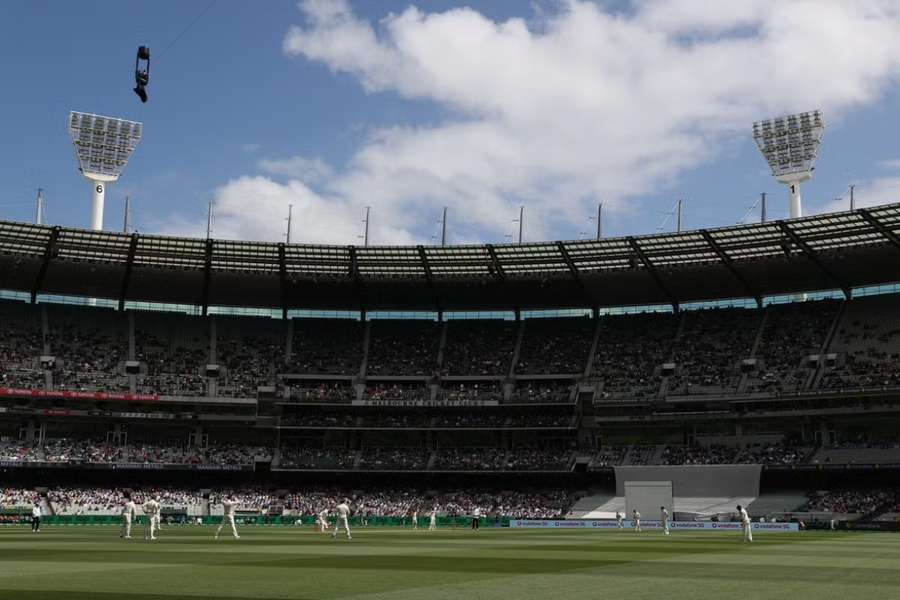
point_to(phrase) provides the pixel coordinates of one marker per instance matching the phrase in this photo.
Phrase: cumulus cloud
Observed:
(588, 105)
(890, 165)
(256, 208)
(881, 190)
(309, 170)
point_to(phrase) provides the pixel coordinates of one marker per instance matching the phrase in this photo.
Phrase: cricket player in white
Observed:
(128, 511)
(620, 520)
(343, 511)
(415, 519)
(151, 511)
(228, 504)
(323, 520)
(432, 522)
(158, 516)
(745, 523)
(636, 520)
(36, 518)
(664, 516)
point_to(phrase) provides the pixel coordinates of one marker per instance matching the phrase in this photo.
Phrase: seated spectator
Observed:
(479, 347)
(326, 346)
(555, 346)
(403, 348)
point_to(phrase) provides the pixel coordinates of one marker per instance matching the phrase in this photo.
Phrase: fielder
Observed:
(128, 511)
(636, 520)
(745, 523)
(36, 518)
(664, 515)
(343, 511)
(415, 519)
(151, 511)
(432, 521)
(620, 520)
(228, 504)
(323, 520)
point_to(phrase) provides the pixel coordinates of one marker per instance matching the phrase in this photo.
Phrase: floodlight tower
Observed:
(103, 146)
(790, 145)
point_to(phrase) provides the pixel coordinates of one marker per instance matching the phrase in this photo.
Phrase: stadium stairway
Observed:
(46, 506)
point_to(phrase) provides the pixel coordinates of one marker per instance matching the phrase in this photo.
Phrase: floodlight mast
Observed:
(790, 146)
(103, 146)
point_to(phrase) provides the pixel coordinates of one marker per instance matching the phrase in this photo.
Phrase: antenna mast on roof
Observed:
(39, 209)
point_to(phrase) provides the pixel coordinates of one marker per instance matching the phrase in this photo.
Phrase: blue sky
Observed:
(377, 103)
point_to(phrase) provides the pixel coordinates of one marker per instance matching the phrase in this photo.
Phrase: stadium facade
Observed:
(790, 364)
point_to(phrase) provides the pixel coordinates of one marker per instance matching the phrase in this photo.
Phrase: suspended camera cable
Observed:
(749, 210)
(185, 30)
(669, 215)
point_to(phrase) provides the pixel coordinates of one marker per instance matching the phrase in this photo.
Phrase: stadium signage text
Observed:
(418, 402)
(123, 465)
(6, 392)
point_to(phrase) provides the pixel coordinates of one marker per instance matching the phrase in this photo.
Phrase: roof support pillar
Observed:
(50, 252)
(357, 282)
(426, 267)
(573, 270)
(814, 257)
(874, 222)
(129, 263)
(282, 278)
(495, 262)
(653, 272)
(729, 264)
(207, 276)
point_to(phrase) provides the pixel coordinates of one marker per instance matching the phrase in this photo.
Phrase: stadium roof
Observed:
(823, 252)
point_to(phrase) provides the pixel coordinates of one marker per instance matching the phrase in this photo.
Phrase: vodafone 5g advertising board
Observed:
(610, 524)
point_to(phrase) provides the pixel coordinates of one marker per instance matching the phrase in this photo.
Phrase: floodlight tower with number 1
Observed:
(103, 146)
(791, 145)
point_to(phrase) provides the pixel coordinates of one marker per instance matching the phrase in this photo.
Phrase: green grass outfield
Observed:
(285, 562)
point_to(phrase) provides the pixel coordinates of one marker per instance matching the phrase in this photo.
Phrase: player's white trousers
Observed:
(666, 527)
(337, 526)
(432, 525)
(748, 533)
(227, 521)
(150, 530)
(126, 526)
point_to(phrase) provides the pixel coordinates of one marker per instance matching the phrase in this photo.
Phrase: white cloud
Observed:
(250, 148)
(298, 167)
(588, 105)
(881, 190)
(256, 208)
(890, 165)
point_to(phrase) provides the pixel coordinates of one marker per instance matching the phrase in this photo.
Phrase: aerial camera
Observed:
(142, 72)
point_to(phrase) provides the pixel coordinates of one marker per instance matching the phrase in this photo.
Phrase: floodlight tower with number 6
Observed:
(790, 145)
(103, 146)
